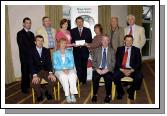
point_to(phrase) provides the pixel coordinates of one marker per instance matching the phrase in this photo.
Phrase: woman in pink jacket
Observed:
(64, 33)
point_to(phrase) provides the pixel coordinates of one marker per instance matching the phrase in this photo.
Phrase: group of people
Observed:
(54, 54)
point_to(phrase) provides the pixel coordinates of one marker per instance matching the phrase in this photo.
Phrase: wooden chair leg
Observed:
(113, 90)
(33, 96)
(91, 94)
(78, 89)
(135, 96)
(54, 90)
(58, 90)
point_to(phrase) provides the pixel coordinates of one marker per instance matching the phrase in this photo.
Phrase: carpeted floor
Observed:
(146, 95)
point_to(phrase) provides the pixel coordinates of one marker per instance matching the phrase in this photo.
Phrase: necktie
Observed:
(130, 33)
(125, 58)
(80, 32)
(103, 65)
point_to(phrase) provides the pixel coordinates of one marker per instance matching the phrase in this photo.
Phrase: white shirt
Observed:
(39, 51)
(80, 29)
(128, 59)
(63, 58)
(133, 30)
(102, 57)
(26, 29)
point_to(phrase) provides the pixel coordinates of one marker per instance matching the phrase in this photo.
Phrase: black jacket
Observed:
(25, 43)
(135, 58)
(86, 35)
(38, 63)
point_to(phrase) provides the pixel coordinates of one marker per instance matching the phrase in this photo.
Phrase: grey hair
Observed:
(130, 15)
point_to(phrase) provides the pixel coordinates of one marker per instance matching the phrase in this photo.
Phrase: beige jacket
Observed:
(42, 31)
(139, 36)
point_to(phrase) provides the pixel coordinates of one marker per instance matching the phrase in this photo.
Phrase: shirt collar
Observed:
(26, 30)
(133, 26)
(39, 48)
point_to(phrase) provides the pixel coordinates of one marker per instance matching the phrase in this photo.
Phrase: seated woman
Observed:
(63, 63)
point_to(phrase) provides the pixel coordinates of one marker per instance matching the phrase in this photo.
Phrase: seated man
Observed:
(41, 67)
(103, 66)
(128, 63)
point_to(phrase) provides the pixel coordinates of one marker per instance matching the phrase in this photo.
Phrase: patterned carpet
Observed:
(146, 95)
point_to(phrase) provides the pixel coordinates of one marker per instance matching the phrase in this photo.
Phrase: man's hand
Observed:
(35, 79)
(99, 71)
(52, 77)
(104, 71)
(66, 71)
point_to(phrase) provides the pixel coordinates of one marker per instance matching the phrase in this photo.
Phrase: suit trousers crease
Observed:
(43, 74)
(137, 81)
(108, 82)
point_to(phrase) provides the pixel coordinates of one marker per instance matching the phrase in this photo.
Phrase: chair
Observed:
(102, 81)
(125, 79)
(58, 87)
(43, 82)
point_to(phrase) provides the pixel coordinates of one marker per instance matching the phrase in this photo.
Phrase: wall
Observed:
(16, 15)
(120, 11)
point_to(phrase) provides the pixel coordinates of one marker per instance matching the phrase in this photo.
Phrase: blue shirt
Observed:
(51, 42)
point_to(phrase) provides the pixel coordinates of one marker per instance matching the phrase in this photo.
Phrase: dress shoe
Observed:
(40, 98)
(107, 99)
(49, 97)
(131, 94)
(94, 99)
(25, 91)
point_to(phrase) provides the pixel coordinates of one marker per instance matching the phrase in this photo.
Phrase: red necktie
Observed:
(130, 33)
(125, 59)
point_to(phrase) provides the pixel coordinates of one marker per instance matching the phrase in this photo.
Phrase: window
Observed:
(147, 23)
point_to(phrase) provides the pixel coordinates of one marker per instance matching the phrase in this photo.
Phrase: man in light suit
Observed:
(117, 34)
(41, 67)
(136, 31)
(48, 34)
(103, 66)
(128, 63)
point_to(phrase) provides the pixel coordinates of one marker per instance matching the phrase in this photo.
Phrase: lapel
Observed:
(131, 55)
(108, 55)
(100, 55)
(37, 54)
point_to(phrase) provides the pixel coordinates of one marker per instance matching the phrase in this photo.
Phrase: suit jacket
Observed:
(117, 39)
(25, 43)
(42, 31)
(58, 62)
(86, 35)
(40, 63)
(97, 57)
(135, 58)
(139, 36)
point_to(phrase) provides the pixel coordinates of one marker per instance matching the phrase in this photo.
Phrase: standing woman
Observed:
(63, 32)
(97, 38)
(63, 63)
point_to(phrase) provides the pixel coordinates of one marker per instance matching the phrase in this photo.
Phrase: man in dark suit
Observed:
(81, 53)
(25, 40)
(103, 66)
(41, 67)
(128, 63)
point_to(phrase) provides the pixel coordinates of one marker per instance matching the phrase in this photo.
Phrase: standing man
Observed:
(81, 53)
(25, 41)
(128, 63)
(48, 33)
(103, 66)
(117, 34)
(136, 31)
